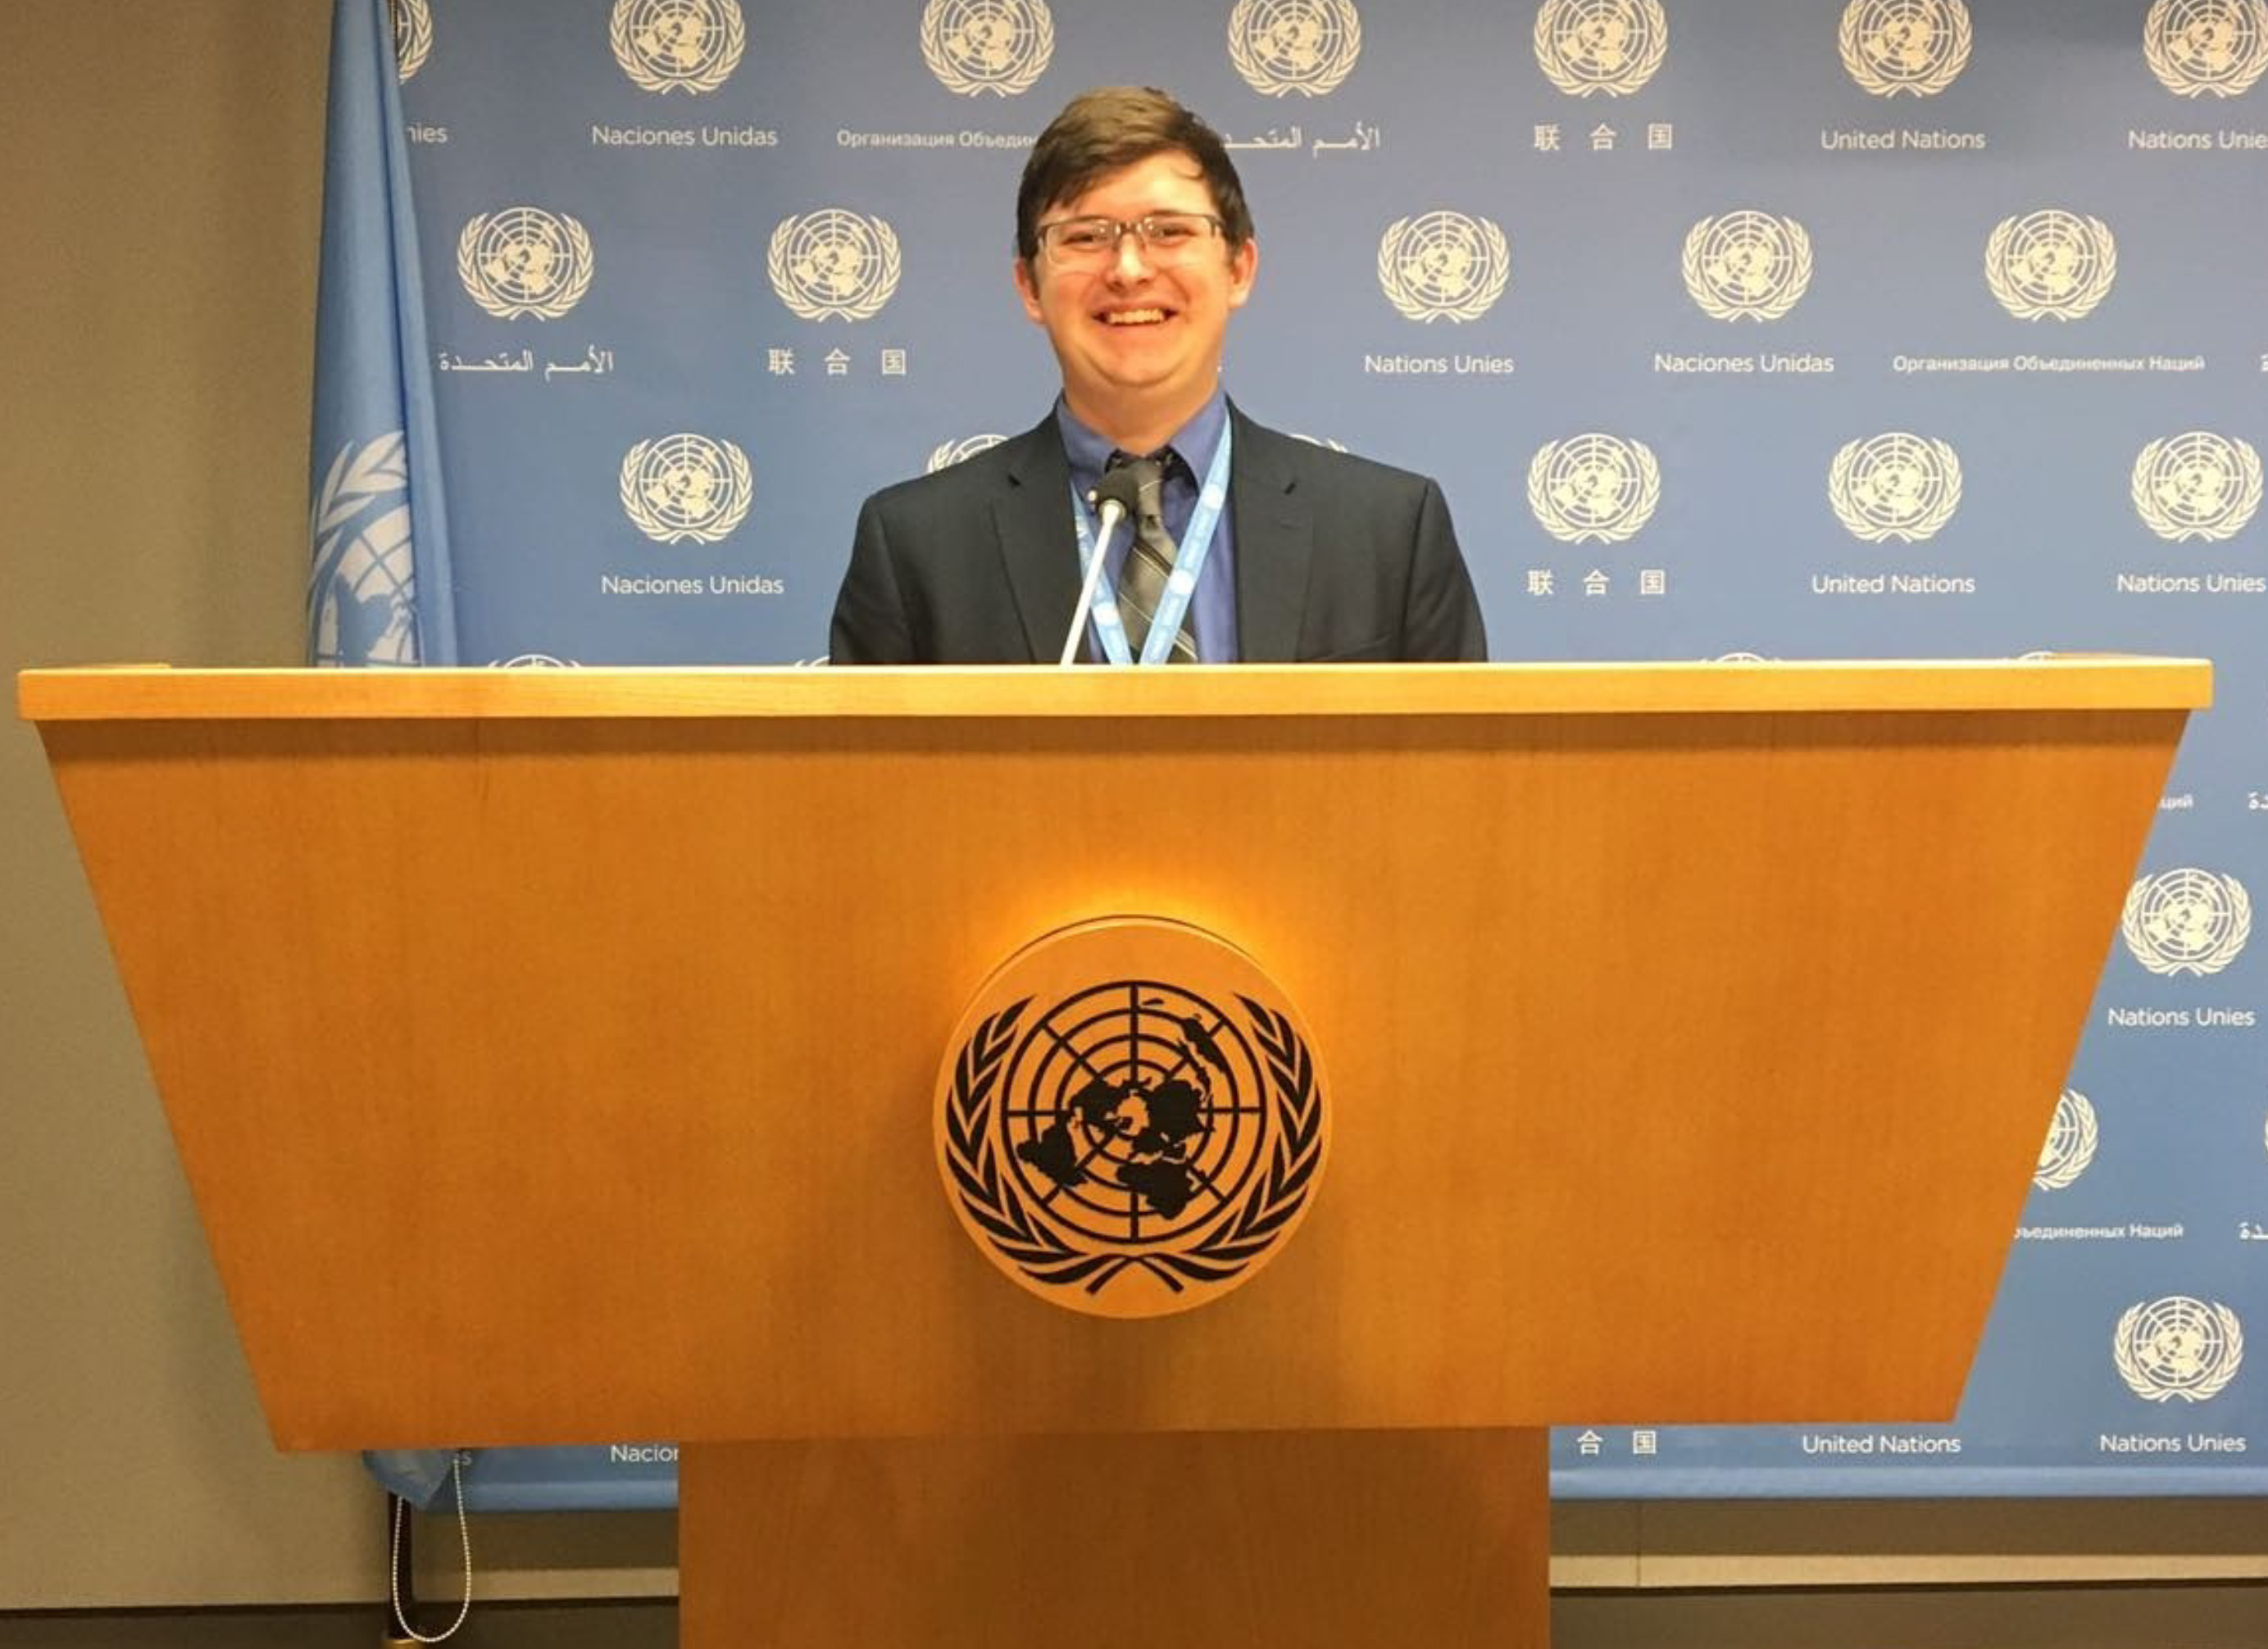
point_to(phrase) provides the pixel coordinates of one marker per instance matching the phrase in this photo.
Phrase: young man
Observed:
(1133, 247)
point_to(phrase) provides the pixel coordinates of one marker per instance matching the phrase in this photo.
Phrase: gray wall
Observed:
(160, 174)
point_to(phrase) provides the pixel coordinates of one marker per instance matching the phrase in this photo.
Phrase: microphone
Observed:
(1114, 502)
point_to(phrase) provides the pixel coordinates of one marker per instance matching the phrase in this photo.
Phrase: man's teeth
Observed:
(1133, 317)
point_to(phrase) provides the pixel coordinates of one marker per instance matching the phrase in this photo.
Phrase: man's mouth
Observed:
(1132, 317)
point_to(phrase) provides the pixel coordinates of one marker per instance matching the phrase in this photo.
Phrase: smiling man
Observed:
(1133, 247)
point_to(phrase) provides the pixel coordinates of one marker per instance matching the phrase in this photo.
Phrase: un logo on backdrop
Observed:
(2199, 485)
(1610, 46)
(686, 487)
(689, 45)
(2196, 46)
(946, 454)
(2051, 262)
(1443, 266)
(2070, 1145)
(362, 587)
(1747, 265)
(996, 46)
(413, 35)
(1919, 47)
(1593, 487)
(2186, 921)
(1895, 486)
(2178, 1347)
(833, 263)
(524, 260)
(1285, 46)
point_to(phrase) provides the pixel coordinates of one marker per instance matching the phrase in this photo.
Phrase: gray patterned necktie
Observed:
(1149, 562)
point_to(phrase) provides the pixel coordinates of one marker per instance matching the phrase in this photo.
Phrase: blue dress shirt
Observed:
(1213, 603)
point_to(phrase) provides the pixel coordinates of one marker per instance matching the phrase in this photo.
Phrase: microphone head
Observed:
(1120, 486)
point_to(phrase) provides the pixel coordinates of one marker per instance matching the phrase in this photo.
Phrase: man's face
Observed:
(1134, 336)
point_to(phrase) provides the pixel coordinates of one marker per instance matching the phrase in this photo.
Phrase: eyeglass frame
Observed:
(1120, 228)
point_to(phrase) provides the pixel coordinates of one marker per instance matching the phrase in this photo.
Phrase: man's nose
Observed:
(1131, 262)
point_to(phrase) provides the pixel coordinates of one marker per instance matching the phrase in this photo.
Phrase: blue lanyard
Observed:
(1197, 543)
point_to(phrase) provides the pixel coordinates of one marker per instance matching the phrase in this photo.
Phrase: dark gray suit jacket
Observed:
(1338, 560)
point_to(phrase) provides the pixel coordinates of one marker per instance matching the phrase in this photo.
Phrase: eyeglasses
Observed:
(1091, 243)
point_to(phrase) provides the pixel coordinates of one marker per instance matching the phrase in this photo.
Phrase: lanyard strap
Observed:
(1189, 562)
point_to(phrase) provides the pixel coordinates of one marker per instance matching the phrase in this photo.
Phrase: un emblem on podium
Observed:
(686, 488)
(2198, 485)
(1915, 46)
(2051, 262)
(524, 260)
(1590, 46)
(413, 36)
(688, 45)
(1285, 46)
(1443, 266)
(978, 46)
(2197, 48)
(833, 263)
(1895, 486)
(1129, 1121)
(1747, 265)
(2186, 921)
(2178, 1347)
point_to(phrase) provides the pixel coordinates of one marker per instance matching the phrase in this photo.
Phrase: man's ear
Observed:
(1028, 291)
(1243, 266)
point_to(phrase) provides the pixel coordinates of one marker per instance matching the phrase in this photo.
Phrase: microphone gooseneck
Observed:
(1114, 502)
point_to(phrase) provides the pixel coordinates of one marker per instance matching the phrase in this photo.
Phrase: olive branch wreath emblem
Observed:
(715, 68)
(2160, 27)
(1950, 16)
(989, 1198)
(1245, 27)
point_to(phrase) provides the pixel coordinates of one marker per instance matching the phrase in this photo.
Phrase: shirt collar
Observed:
(1088, 452)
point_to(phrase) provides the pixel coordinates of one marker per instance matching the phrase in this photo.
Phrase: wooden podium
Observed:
(1692, 1032)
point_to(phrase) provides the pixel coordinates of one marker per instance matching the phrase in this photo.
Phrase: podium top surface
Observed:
(2067, 682)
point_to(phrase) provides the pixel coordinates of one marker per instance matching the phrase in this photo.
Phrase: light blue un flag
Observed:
(378, 583)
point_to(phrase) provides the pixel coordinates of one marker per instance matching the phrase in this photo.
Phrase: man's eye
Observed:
(1171, 231)
(1083, 237)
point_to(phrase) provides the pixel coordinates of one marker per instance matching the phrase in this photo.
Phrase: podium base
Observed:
(1290, 1540)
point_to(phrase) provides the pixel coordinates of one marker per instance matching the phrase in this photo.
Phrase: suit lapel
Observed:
(1031, 518)
(1275, 544)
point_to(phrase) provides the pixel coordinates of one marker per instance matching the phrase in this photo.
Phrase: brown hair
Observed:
(1108, 129)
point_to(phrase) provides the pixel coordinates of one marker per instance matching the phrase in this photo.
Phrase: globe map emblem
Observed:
(1917, 47)
(1895, 486)
(691, 46)
(362, 588)
(2051, 262)
(1611, 46)
(1129, 1142)
(1443, 265)
(948, 454)
(1596, 488)
(2070, 1145)
(2178, 1347)
(1747, 264)
(2196, 46)
(1285, 46)
(2197, 485)
(2186, 921)
(996, 46)
(833, 263)
(523, 261)
(413, 36)
(686, 487)
(1141, 1112)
